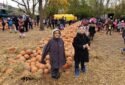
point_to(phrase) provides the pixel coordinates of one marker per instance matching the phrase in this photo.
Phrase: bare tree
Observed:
(41, 14)
(26, 6)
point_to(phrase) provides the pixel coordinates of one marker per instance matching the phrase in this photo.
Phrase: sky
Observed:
(9, 2)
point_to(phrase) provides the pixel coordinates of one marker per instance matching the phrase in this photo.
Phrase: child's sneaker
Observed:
(77, 72)
(83, 69)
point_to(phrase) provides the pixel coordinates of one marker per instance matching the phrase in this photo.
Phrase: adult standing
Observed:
(21, 27)
(15, 21)
(92, 30)
(10, 24)
(3, 24)
(26, 23)
(109, 27)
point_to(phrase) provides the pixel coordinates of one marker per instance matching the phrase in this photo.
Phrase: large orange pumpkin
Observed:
(22, 53)
(34, 69)
(29, 51)
(46, 71)
(26, 56)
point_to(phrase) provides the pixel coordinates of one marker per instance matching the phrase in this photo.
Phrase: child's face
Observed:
(56, 34)
(82, 31)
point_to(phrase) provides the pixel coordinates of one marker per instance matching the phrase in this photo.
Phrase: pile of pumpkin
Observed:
(32, 58)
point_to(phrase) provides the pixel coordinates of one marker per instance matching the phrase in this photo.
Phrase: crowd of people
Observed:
(50, 22)
(109, 25)
(19, 24)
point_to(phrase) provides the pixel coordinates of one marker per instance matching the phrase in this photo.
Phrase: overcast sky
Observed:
(9, 2)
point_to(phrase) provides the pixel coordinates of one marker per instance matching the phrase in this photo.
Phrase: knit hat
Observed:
(56, 29)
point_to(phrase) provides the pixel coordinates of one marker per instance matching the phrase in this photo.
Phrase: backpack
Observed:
(10, 22)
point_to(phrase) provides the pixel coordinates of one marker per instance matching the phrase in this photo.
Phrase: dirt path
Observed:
(106, 66)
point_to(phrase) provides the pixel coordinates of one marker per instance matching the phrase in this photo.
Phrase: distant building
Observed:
(3, 6)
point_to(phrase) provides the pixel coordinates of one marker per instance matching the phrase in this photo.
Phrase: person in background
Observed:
(30, 23)
(10, 25)
(109, 27)
(55, 48)
(53, 23)
(3, 24)
(92, 30)
(81, 46)
(21, 27)
(123, 35)
(15, 21)
(115, 24)
(26, 23)
(37, 20)
(122, 26)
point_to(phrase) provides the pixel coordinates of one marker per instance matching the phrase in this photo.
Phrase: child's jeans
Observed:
(77, 64)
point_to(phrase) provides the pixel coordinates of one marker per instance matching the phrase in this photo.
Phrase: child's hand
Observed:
(84, 46)
(88, 47)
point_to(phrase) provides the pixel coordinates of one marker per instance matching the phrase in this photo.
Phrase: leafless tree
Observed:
(27, 6)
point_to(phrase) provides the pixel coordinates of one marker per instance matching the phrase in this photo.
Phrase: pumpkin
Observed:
(47, 61)
(48, 66)
(39, 52)
(33, 59)
(32, 55)
(35, 54)
(28, 61)
(47, 57)
(66, 66)
(32, 63)
(22, 53)
(11, 61)
(29, 51)
(18, 56)
(69, 63)
(46, 71)
(38, 48)
(34, 69)
(41, 66)
(34, 51)
(40, 71)
(69, 58)
(8, 71)
(26, 56)
(22, 59)
(38, 57)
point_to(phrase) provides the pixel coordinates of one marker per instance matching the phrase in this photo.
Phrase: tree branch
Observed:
(21, 8)
(18, 2)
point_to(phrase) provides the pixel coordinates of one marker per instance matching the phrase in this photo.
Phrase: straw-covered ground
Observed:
(106, 66)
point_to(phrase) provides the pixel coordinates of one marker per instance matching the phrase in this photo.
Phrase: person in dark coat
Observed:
(26, 23)
(81, 47)
(123, 35)
(15, 20)
(21, 27)
(55, 48)
(3, 24)
(109, 27)
(92, 30)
